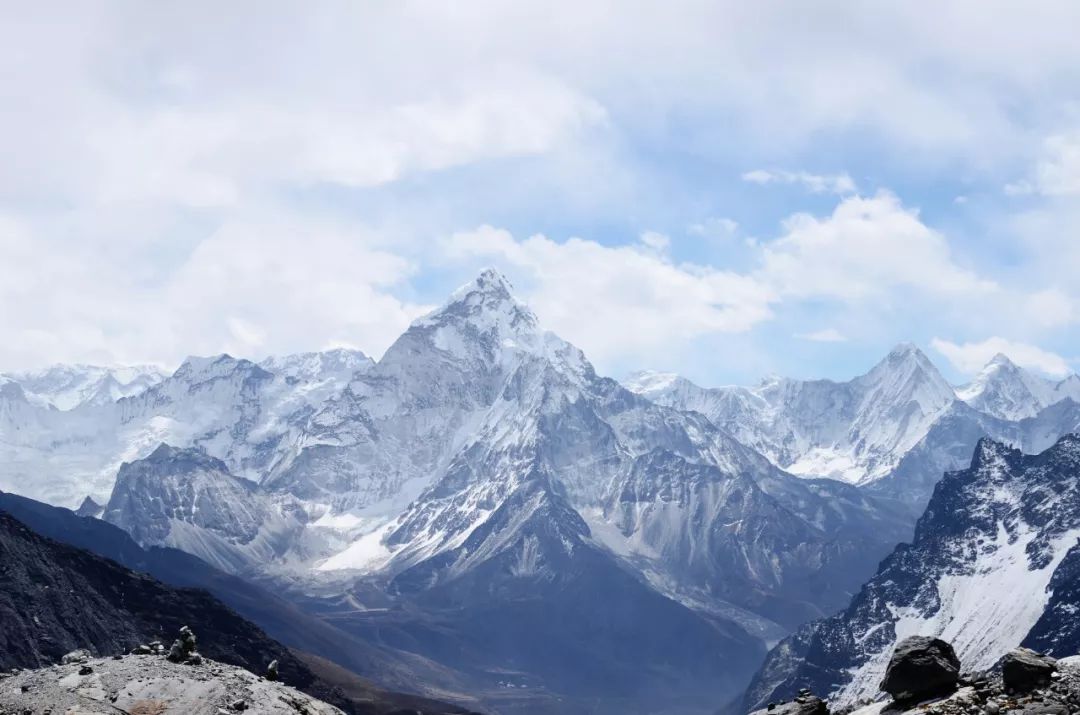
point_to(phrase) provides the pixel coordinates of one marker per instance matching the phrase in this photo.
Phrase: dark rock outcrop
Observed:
(1023, 670)
(806, 703)
(55, 598)
(921, 667)
(974, 516)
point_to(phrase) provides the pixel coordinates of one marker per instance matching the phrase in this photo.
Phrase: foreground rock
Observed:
(1024, 670)
(805, 704)
(151, 684)
(989, 695)
(921, 667)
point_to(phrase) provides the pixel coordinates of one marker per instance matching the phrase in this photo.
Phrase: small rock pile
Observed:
(184, 648)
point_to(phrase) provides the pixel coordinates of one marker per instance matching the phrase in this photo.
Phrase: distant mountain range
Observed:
(482, 500)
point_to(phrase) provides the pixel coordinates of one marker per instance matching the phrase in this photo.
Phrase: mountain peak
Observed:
(908, 360)
(491, 280)
(1007, 391)
(906, 352)
(990, 452)
(488, 305)
(1000, 360)
(179, 459)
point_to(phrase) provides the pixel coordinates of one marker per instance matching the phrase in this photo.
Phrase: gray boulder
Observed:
(921, 668)
(76, 656)
(1024, 670)
(804, 704)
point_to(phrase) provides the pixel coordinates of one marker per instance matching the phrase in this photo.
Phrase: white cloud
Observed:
(871, 257)
(1057, 171)
(867, 248)
(825, 335)
(214, 156)
(142, 152)
(256, 285)
(971, 357)
(815, 183)
(618, 301)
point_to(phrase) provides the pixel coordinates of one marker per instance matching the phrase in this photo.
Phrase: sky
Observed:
(722, 189)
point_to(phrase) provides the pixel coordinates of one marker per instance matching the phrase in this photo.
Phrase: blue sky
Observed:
(721, 189)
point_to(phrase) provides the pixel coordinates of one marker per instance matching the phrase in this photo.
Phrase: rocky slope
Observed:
(992, 565)
(279, 618)
(55, 598)
(150, 684)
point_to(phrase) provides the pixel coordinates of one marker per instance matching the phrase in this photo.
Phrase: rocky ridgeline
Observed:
(152, 680)
(924, 677)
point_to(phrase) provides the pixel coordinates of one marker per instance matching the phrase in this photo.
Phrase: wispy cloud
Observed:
(815, 183)
(826, 335)
(714, 227)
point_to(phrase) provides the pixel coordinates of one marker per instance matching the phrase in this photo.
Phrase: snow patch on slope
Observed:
(985, 611)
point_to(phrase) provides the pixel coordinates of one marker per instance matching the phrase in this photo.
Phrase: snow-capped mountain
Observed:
(231, 408)
(545, 431)
(66, 387)
(187, 500)
(481, 489)
(853, 431)
(315, 367)
(991, 566)
(893, 431)
(1004, 390)
(479, 464)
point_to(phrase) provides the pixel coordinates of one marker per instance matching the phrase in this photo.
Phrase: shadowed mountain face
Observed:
(282, 620)
(55, 598)
(992, 565)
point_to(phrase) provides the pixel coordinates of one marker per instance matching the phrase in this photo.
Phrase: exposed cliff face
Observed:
(188, 500)
(992, 565)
